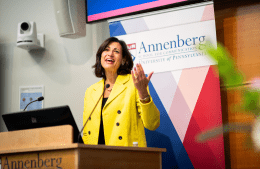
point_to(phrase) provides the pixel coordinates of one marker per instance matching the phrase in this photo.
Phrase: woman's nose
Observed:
(110, 53)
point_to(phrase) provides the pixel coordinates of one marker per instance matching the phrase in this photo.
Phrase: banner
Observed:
(184, 87)
(172, 48)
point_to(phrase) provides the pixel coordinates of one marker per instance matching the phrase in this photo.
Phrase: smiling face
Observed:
(111, 57)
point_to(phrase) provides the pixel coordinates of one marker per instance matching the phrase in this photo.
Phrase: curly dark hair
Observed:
(126, 56)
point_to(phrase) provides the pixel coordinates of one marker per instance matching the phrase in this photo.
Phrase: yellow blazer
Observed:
(124, 116)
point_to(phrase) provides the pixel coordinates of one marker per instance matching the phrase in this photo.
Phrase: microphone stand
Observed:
(39, 99)
(107, 86)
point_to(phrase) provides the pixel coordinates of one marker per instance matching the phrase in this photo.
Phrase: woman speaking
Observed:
(118, 107)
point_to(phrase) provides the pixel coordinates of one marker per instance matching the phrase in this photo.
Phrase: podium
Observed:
(53, 147)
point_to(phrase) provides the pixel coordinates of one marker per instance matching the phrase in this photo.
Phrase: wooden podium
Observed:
(53, 148)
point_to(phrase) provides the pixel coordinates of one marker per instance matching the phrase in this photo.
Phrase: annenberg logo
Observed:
(51, 163)
(132, 49)
(173, 44)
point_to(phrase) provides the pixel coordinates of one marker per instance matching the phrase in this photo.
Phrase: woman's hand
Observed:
(140, 80)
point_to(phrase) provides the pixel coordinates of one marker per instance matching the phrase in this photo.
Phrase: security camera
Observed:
(27, 36)
(25, 26)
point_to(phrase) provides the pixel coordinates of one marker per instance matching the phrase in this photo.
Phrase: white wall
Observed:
(64, 68)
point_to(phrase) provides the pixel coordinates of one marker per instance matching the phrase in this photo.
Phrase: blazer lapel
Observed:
(118, 87)
(97, 91)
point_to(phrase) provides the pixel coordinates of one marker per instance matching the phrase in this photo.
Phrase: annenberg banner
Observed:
(172, 48)
(185, 87)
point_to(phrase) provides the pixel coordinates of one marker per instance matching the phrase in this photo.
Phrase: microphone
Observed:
(107, 86)
(38, 99)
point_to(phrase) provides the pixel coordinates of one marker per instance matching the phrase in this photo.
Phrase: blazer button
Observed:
(117, 124)
(118, 111)
(120, 138)
(89, 132)
(89, 118)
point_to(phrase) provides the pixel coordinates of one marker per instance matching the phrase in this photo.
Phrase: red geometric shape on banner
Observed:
(208, 13)
(206, 115)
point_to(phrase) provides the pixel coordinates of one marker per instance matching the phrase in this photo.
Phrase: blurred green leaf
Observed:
(226, 66)
(251, 100)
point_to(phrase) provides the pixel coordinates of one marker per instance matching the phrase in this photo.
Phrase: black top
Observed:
(101, 138)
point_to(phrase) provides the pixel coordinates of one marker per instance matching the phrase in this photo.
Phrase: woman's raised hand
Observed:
(140, 80)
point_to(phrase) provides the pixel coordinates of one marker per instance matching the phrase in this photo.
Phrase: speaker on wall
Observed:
(70, 17)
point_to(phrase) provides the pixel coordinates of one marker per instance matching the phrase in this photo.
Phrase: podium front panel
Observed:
(61, 159)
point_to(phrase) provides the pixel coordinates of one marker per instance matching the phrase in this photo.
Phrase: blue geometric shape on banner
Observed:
(165, 136)
(133, 57)
(116, 29)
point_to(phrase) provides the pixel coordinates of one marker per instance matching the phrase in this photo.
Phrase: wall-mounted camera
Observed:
(27, 37)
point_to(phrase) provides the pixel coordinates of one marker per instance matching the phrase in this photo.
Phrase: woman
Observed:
(126, 108)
